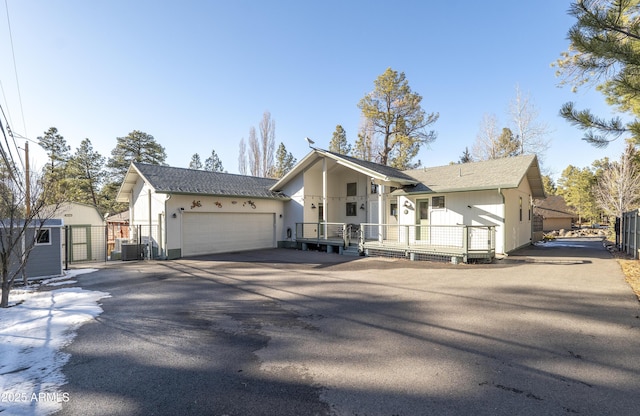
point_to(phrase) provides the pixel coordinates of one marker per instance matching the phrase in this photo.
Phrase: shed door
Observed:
(207, 233)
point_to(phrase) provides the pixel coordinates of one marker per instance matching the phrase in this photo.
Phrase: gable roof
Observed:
(553, 206)
(170, 180)
(69, 207)
(374, 170)
(502, 173)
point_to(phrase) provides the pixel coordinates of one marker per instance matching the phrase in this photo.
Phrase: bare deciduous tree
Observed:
(268, 139)
(486, 144)
(22, 218)
(242, 157)
(532, 134)
(618, 188)
(255, 155)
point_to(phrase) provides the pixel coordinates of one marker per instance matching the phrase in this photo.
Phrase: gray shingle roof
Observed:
(491, 174)
(375, 167)
(553, 206)
(166, 179)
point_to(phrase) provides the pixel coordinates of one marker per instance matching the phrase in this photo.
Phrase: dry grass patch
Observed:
(631, 270)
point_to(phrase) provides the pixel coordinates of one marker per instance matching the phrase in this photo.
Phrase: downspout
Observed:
(325, 208)
(149, 245)
(504, 223)
(380, 213)
(165, 236)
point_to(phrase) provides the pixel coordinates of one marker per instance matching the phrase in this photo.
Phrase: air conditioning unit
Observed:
(118, 243)
(131, 252)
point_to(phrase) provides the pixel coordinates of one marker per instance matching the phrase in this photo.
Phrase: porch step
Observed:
(351, 251)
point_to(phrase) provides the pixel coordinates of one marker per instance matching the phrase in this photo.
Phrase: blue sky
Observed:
(198, 74)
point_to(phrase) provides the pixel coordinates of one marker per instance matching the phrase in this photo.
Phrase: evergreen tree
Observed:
(338, 143)
(604, 51)
(396, 115)
(284, 162)
(86, 174)
(466, 156)
(195, 163)
(507, 145)
(213, 163)
(575, 185)
(54, 174)
(135, 147)
(549, 185)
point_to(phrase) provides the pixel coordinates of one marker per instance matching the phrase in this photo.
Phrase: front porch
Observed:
(455, 243)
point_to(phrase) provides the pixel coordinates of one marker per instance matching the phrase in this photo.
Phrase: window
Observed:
(520, 208)
(393, 209)
(423, 209)
(352, 189)
(43, 236)
(351, 209)
(374, 189)
(437, 202)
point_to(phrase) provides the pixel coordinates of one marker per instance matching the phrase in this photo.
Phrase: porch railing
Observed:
(327, 232)
(466, 241)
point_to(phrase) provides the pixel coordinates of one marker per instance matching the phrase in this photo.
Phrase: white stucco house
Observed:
(185, 212)
(335, 200)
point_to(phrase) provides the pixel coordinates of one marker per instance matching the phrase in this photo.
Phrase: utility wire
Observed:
(15, 67)
(10, 133)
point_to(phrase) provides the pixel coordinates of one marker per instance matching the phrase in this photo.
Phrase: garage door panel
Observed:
(207, 233)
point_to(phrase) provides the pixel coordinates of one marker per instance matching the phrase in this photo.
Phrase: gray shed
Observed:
(45, 258)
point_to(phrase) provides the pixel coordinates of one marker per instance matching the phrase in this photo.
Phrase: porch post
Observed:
(380, 213)
(325, 209)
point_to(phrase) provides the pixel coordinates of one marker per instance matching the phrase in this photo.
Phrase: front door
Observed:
(422, 213)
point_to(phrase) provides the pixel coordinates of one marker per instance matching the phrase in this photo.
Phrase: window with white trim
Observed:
(43, 236)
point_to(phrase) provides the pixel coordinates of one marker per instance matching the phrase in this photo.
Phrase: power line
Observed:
(15, 67)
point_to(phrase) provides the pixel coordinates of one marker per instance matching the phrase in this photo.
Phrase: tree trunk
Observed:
(4, 301)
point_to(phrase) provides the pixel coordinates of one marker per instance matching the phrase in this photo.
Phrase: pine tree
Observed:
(54, 174)
(86, 174)
(339, 143)
(466, 156)
(213, 163)
(284, 162)
(396, 116)
(604, 51)
(137, 146)
(195, 163)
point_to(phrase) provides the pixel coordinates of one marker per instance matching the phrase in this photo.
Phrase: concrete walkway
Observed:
(551, 330)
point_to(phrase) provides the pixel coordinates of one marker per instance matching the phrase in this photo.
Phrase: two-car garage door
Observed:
(207, 233)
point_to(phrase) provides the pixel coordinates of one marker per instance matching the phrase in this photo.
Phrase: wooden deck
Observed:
(446, 243)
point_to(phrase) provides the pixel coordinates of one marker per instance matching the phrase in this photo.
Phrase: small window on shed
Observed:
(437, 202)
(352, 189)
(43, 236)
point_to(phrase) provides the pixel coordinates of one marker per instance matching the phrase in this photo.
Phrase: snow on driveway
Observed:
(40, 322)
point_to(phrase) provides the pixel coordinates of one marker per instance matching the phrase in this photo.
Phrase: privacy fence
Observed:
(628, 232)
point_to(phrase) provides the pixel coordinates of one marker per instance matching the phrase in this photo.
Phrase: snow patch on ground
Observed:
(32, 332)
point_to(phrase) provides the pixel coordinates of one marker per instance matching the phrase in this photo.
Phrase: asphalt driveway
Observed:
(552, 330)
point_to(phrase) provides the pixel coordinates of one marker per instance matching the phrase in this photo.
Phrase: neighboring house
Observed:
(334, 199)
(555, 213)
(184, 212)
(85, 233)
(46, 256)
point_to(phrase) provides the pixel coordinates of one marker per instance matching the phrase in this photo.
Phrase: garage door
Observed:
(207, 233)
